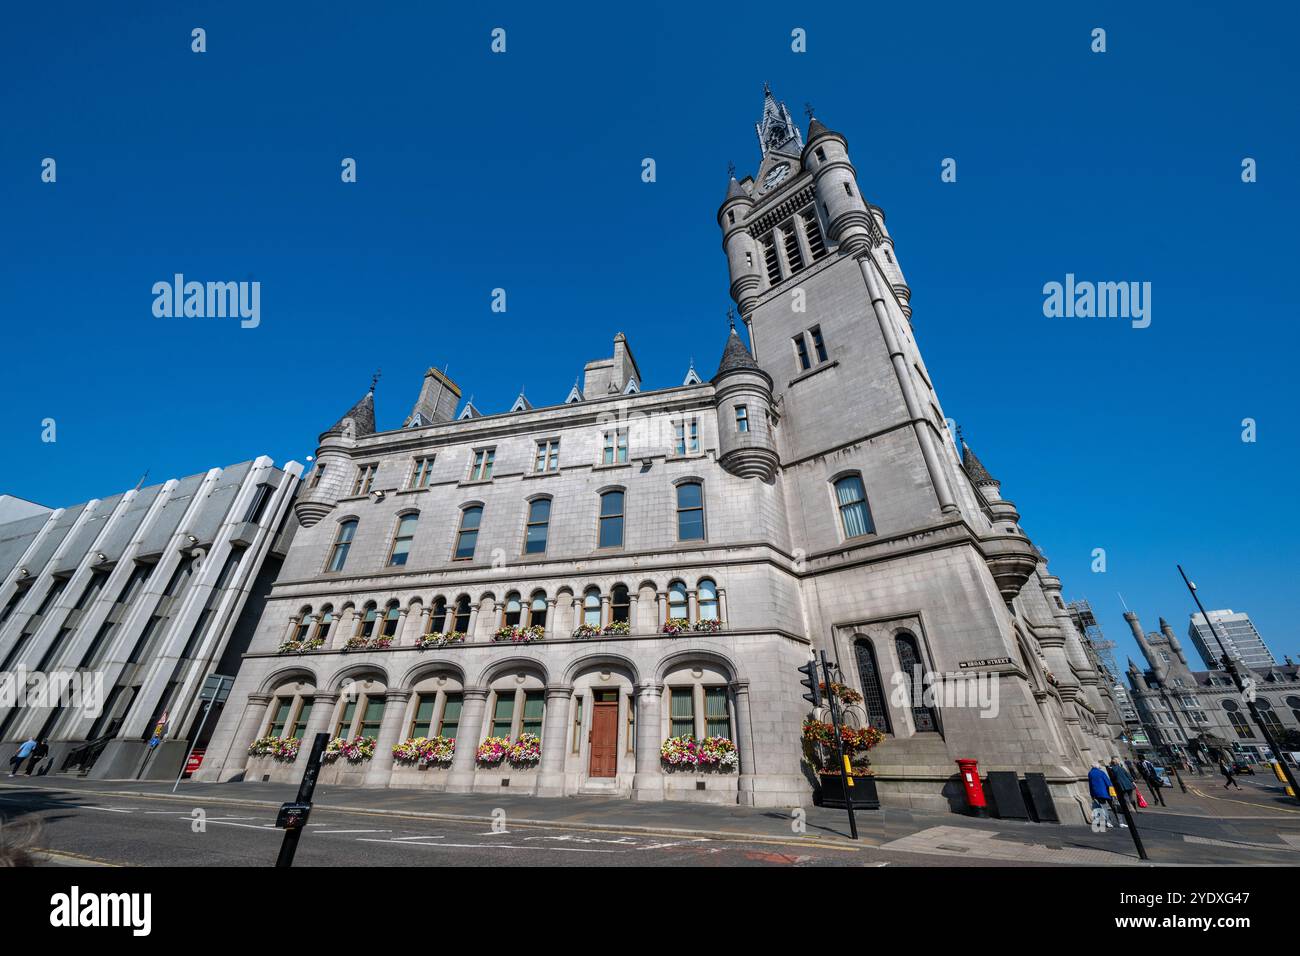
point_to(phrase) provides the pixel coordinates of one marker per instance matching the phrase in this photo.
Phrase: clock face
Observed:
(775, 175)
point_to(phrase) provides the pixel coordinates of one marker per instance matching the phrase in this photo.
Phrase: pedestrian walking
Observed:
(24, 751)
(1148, 770)
(39, 753)
(1099, 788)
(1123, 781)
(1230, 779)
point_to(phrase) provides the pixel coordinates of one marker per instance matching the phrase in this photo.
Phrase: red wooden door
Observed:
(604, 739)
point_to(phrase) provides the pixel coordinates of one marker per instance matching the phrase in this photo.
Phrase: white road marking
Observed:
(354, 831)
(491, 846)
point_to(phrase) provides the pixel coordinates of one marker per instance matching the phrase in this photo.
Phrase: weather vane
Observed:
(731, 317)
(731, 170)
(374, 379)
(808, 110)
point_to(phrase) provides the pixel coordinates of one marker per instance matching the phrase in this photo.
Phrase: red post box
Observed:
(970, 779)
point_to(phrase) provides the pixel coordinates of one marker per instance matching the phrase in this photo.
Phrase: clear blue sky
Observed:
(523, 171)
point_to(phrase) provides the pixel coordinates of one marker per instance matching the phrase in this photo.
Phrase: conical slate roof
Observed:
(734, 190)
(735, 356)
(815, 128)
(975, 468)
(362, 415)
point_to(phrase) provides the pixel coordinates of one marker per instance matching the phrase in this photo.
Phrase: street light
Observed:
(1230, 666)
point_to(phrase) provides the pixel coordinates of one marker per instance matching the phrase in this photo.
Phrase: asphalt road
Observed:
(76, 828)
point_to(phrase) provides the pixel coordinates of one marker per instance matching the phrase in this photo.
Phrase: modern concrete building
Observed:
(135, 599)
(1202, 714)
(1232, 634)
(631, 564)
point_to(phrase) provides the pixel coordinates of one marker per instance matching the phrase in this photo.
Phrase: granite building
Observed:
(1202, 714)
(635, 564)
(135, 599)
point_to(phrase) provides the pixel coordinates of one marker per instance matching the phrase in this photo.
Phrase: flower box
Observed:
(311, 645)
(708, 626)
(514, 634)
(290, 647)
(492, 751)
(382, 642)
(617, 627)
(711, 753)
(676, 625)
(441, 639)
(356, 644)
(830, 791)
(584, 631)
(281, 748)
(425, 750)
(354, 751)
(526, 752)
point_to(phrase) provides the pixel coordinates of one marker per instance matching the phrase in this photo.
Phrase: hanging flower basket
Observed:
(281, 748)
(843, 693)
(425, 750)
(709, 626)
(527, 751)
(584, 631)
(711, 753)
(676, 625)
(617, 627)
(492, 751)
(441, 639)
(354, 751)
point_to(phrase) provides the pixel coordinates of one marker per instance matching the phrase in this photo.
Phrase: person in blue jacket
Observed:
(24, 751)
(1123, 782)
(1099, 787)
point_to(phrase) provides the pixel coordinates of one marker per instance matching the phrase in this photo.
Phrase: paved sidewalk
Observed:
(1258, 825)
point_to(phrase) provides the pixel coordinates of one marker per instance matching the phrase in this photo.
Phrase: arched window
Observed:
(537, 610)
(591, 607)
(512, 610)
(339, 553)
(620, 604)
(304, 625)
(367, 627)
(1237, 719)
(611, 520)
(1267, 717)
(462, 614)
(851, 497)
(708, 599)
(873, 695)
(909, 659)
(392, 615)
(690, 511)
(678, 605)
(539, 521)
(402, 540)
(326, 622)
(438, 616)
(1294, 704)
(467, 536)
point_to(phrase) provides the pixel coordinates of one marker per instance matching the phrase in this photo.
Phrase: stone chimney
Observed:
(439, 397)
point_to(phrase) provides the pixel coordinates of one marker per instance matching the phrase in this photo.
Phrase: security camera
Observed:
(377, 495)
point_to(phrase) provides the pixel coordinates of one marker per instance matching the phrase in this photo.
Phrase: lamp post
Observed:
(1230, 666)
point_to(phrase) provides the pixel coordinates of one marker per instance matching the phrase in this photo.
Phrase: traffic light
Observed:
(812, 682)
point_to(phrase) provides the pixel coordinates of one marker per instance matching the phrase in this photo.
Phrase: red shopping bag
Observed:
(1142, 804)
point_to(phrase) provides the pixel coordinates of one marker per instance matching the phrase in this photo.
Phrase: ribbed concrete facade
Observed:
(137, 595)
(807, 496)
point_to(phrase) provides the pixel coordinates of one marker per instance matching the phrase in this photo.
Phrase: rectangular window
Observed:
(771, 261)
(792, 253)
(467, 537)
(690, 511)
(372, 717)
(742, 418)
(503, 714)
(577, 723)
(450, 725)
(548, 456)
(611, 520)
(317, 474)
(299, 725)
(423, 722)
(402, 540)
(257, 507)
(534, 706)
(342, 544)
(421, 473)
(717, 723)
(481, 469)
(801, 350)
(344, 726)
(365, 478)
(688, 436)
(282, 708)
(681, 709)
(812, 230)
(539, 521)
(615, 447)
(819, 346)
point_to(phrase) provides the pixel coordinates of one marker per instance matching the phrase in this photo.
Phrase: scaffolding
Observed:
(1086, 621)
